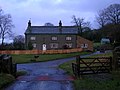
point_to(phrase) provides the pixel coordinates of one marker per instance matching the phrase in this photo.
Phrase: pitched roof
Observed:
(52, 30)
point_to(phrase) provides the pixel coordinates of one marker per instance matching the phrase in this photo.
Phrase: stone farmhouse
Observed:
(55, 37)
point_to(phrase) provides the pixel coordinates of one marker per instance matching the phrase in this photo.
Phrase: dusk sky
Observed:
(42, 11)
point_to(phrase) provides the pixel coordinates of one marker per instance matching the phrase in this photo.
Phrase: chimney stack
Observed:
(29, 26)
(60, 26)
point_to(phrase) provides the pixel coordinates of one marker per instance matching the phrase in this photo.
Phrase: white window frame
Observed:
(32, 38)
(68, 38)
(84, 45)
(69, 45)
(54, 45)
(34, 45)
(54, 38)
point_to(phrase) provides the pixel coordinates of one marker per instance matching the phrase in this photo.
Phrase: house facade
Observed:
(53, 37)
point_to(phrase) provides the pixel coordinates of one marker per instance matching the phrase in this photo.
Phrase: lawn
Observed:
(27, 58)
(87, 83)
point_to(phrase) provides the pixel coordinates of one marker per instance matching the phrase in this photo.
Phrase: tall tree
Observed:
(5, 26)
(101, 18)
(113, 13)
(80, 23)
(109, 15)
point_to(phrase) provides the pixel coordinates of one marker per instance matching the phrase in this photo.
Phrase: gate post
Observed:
(111, 59)
(78, 65)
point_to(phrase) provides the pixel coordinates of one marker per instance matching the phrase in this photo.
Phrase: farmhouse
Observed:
(55, 37)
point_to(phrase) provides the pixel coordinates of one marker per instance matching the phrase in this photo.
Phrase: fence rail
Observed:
(40, 51)
(97, 65)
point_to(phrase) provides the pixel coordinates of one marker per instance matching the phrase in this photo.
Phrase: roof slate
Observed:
(52, 30)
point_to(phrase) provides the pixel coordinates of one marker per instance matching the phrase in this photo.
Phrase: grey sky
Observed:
(42, 11)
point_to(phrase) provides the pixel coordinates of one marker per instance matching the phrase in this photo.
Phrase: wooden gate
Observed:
(96, 65)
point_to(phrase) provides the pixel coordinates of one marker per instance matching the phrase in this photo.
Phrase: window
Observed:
(69, 45)
(68, 38)
(54, 38)
(84, 45)
(32, 38)
(34, 45)
(54, 45)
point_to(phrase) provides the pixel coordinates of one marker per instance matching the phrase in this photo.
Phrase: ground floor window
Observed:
(84, 45)
(54, 45)
(34, 45)
(69, 45)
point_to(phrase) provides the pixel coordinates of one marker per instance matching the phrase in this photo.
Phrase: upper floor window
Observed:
(68, 38)
(32, 38)
(54, 38)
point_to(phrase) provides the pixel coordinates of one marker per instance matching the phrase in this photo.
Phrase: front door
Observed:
(44, 47)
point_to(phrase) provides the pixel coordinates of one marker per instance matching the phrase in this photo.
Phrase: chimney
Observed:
(29, 23)
(29, 26)
(60, 26)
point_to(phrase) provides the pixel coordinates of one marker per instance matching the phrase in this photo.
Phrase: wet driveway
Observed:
(44, 76)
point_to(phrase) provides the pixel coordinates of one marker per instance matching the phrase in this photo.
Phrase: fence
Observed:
(97, 65)
(6, 65)
(40, 51)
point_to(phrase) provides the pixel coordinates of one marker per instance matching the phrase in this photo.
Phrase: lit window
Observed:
(84, 45)
(68, 38)
(34, 45)
(54, 38)
(32, 38)
(54, 45)
(69, 45)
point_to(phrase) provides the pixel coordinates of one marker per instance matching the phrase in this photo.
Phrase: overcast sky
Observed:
(42, 11)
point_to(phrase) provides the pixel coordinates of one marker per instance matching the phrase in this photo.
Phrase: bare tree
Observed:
(80, 23)
(5, 26)
(109, 15)
(101, 18)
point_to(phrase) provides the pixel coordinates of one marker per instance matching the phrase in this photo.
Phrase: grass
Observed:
(27, 58)
(5, 79)
(91, 84)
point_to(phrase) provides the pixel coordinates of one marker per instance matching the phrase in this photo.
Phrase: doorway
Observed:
(44, 47)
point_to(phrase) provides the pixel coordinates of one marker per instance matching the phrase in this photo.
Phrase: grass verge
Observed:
(6, 79)
(27, 58)
(87, 83)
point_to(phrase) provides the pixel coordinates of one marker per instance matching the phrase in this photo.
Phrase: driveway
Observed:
(44, 76)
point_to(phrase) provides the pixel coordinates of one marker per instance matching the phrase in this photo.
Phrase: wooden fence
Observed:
(40, 51)
(96, 65)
